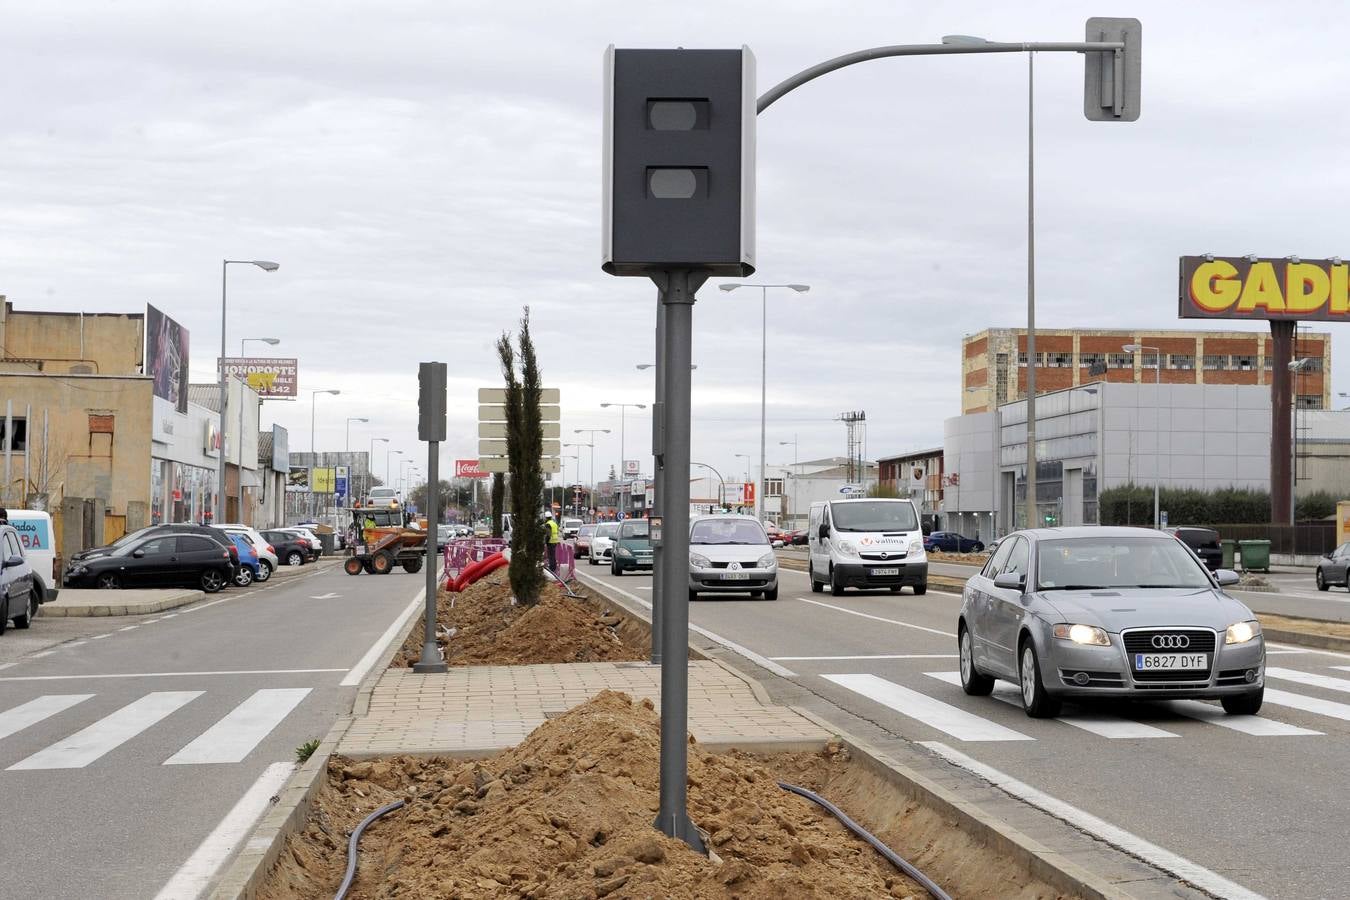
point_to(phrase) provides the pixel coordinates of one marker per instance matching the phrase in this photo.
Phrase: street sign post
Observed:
(492, 434)
(431, 401)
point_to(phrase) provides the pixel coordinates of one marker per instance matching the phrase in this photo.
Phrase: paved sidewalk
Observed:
(478, 710)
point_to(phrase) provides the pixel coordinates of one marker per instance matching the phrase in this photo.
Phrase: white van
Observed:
(35, 534)
(866, 543)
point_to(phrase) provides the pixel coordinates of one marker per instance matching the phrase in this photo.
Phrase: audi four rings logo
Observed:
(1171, 641)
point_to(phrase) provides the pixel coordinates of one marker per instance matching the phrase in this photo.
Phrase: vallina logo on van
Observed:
(881, 542)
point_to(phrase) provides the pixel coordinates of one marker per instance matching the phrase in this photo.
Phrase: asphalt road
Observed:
(1258, 803)
(125, 745)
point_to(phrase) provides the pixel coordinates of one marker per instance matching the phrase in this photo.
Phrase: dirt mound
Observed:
(482, 627)
(568, 814)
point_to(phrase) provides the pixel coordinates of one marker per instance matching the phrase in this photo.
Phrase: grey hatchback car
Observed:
(1107, 612)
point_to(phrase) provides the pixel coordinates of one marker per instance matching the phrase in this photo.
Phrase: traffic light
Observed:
(679, 168)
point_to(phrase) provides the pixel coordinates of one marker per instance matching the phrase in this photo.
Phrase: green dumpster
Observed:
(1229, 546)
(1255, 555)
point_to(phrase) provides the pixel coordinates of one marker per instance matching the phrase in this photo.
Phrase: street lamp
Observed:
(387, 453)
(313, 402)
(1297, 367)
(623, 409)
(272, 342)
(370, 465)
(347, 448)
(266, 266)
(591, 433)
(793, 442)
(764, 371)
(575, 505)
(1157, 432)
(746, 457)
(722, 491)
(577, 458)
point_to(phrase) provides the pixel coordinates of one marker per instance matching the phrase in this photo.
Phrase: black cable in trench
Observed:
(354, 840)
(863, 833)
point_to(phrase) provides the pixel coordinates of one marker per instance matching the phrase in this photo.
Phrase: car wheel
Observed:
(592, 561)
(108, 581)
(295, 558)
(771, 594)
(1037, 703)
(836, 583)
(1322, 581)
(816, 586)
(382, 563)
(412, 566)
(978, 548)
(1244, 704)
(352, 566)
(693, 595)
(30, 614)
(614, 569)
(244, 577)
(973, 681)
(920, 589)
(4, 616)
(264, 570)
(212, 580)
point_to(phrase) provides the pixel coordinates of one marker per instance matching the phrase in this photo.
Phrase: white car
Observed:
(267, 554)
(570, 528)
(731, 553)
(602, 544)
(382, 496)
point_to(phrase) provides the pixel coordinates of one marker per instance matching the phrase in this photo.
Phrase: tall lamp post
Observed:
(623, 409)
(314, 457)
(793, 442)
(722, 484)
(763, 371)
(591, 433)
(1297, 367)
(370, 464)
(1157, 453)
(270, 341)
(266, 266)
(347, 448)
(575, 505)
(388, 480)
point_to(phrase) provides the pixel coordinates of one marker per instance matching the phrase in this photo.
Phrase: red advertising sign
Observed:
(468, 468)
(749, 493)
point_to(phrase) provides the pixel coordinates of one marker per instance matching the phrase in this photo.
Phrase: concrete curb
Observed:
(55, 610)
(1304, 639)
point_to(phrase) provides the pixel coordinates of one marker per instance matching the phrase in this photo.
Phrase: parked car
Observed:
(249, 564)
(1107, 612)
(19, 591)
(777, 537)
(36, 539)
(602, 544)
(267, 554)
(315, 544)
(1334, 568)
(731, 554)
(127, 540)
(585, 534)
(291, 548)
(632, 547)
(951, 542)
(160, 559)
(1204, 541)
(570, 527)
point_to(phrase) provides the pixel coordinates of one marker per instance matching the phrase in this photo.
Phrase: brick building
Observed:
(994, 361)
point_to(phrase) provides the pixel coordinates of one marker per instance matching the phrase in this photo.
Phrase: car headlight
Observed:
(699, 561)
(624, 551)
(1242, 632)
(81, 570)
(767, 561)
(916, 545)
(848, 548)
(1082, 634)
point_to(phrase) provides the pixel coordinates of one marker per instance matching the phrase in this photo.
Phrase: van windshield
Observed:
(874, 515)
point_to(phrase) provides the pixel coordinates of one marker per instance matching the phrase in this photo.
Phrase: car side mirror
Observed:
(138, 554)
(1010, 581)
(14, 561)
(823, 532)
(1227, 577)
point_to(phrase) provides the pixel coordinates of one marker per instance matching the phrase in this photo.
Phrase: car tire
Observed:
(973, 681)
(30, 613)
(615, 570)
(1244, 704)
(771, 594)
(243, 577)
(264, 571)
(591, 561)
(816, 586)
(693, 595)
(836, 584)
(920, 589)
(382, 563)
(295, 558)
(4, 616)
(412, 566)
(352, 566)
(108, 581)
(212, 581)
(1322, 584)
(1035, 701)
(978, 548)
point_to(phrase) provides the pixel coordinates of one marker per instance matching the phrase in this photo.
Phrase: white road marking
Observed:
(1253, 725)
(1309, 650)
(169, 616)
(9, 665)
(1278, 652)
(854, 612)
(195, 874)
(1309, 704)
(1309, 678)
(1166, 860)
(1342, 668)
(75, 644)
(42, 654)
(1106, 726)
(329, 596)
(882, 656)
(20, 717)
(757, 659)
(99, 637)
(108, 733)
(168, 674)
(129, 628)
(234, 736)
(933, 713)
(364, 664)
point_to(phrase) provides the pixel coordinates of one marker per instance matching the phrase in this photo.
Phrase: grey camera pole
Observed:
(430, 661)
(659, 504)
(677, 299)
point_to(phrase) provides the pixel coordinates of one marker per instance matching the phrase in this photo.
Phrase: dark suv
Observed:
(1204, 541)
(125, 540)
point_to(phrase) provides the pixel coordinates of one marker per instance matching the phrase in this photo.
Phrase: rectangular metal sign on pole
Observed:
(431, 401)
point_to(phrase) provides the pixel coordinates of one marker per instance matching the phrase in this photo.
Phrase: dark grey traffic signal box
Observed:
(679, 180)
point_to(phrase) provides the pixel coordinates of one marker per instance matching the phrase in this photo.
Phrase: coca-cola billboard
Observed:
(468, 468)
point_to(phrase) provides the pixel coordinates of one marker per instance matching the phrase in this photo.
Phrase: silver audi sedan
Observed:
(1107, 612)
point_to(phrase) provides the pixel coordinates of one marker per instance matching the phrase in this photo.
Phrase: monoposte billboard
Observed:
(1238, 287)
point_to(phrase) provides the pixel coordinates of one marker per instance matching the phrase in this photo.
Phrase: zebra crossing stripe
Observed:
(1253, 725)
(108, 733)
(933, 713)
(1105, 726)
(1309, 704)
(242, 728)
(1311, 679)
(34, 711)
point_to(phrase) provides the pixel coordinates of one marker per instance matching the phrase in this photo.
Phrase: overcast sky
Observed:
(421, 170)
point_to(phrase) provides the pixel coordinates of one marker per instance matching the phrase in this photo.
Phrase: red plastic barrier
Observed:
(477, 570)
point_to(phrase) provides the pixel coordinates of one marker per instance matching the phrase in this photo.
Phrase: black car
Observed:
(291, 548)
(951, 542)
(18, 587)
(162, 559)
(127, 540)
(1334, 568)
(1204, 541)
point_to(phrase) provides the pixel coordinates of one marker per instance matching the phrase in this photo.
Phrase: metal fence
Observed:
(1305, 538)
(463, 551)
